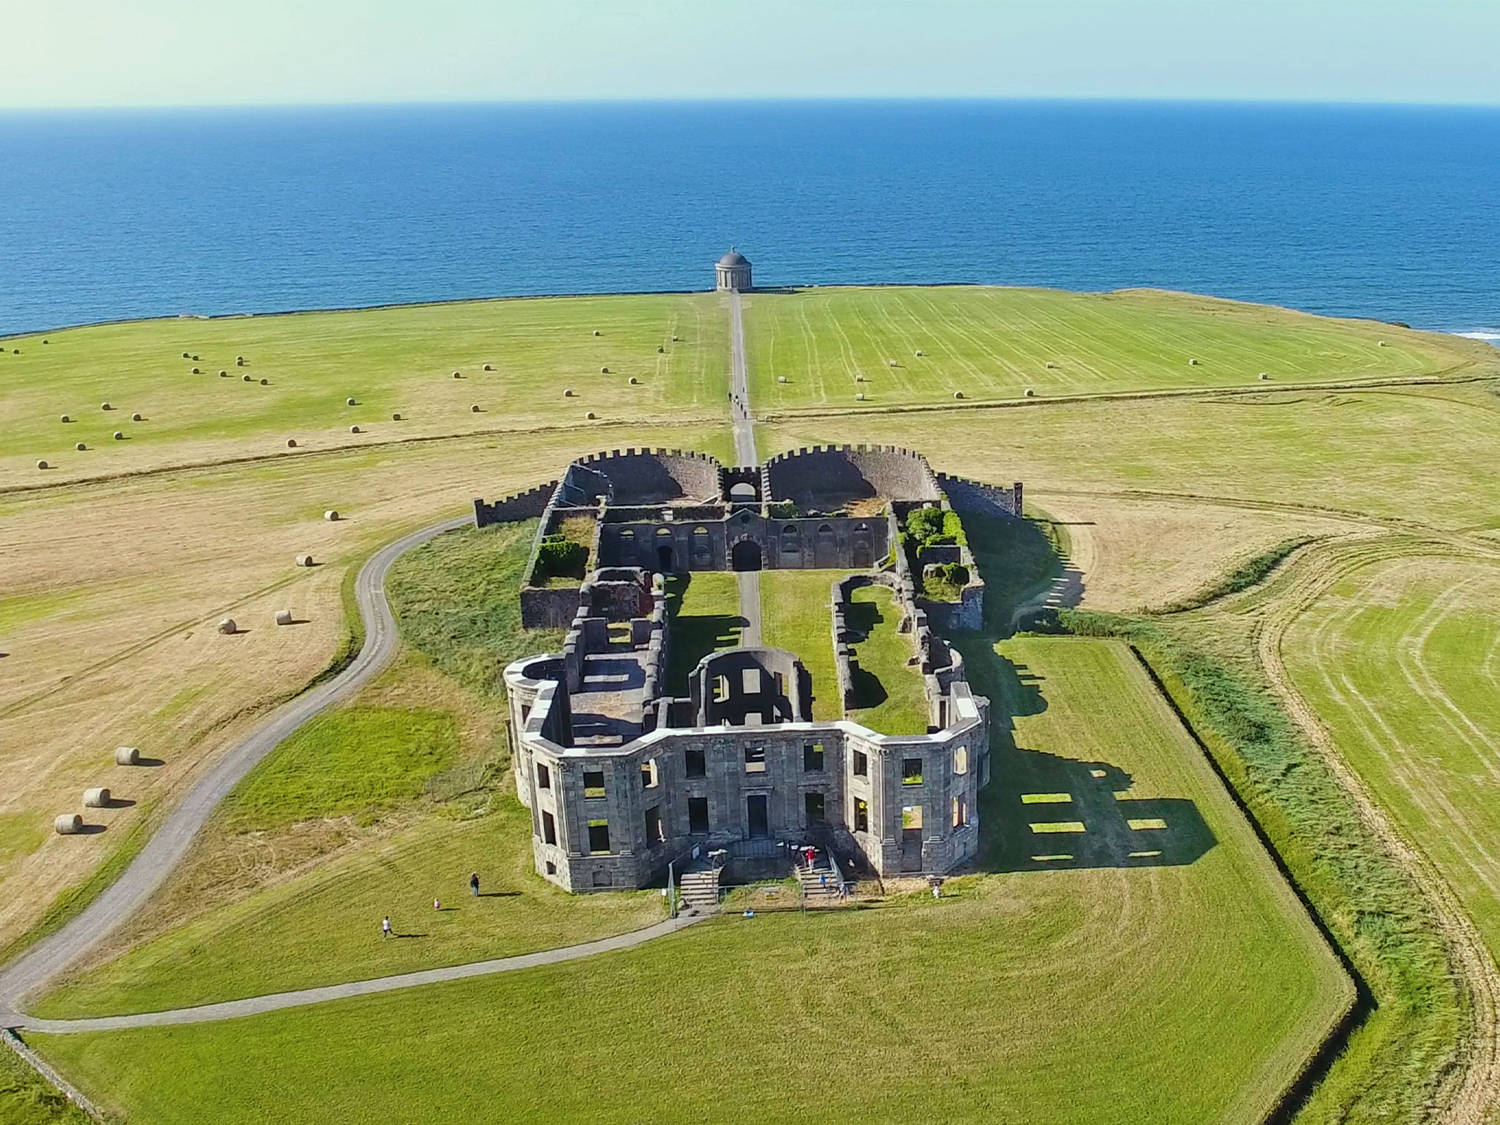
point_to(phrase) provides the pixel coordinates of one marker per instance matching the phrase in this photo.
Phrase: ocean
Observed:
(1382, 212)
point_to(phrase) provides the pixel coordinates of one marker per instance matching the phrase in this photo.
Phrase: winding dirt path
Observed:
(43, 961)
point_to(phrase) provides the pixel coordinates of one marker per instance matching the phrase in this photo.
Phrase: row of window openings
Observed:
(813, 807)
(696, 765)
(788, 530)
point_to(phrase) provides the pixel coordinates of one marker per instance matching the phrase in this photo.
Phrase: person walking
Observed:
(385, 926)
(474, 883)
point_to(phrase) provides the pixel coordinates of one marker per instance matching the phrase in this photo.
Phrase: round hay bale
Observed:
(660, 350)
(197, 372)
(781, 378)
(127, 756)
(265, 382)
(860, 397)
(15, 351)
(246, 379)
(634, 382)
(283, 617)
(96, 798)
(291, 443)
(304, 560)
(195, 359)
(65, 418)
(567, 392)
(354, 429)
(919, 351)
(598, 333)
(859, 378)
(349, 402)
(396, 417)
(958, 394)
(1030, 393)
(891, 363)
(1192, 363)
(119, 435)
(488, 367)
(223, 374)
(604, 371)
(69, 824)
(1264, 375)
(1050, 364)
(136, 418)
(589, 416)
(80, 447)
(675, 339)
(458, 375)
(331, 515)
(239, 361)
(41, 465)
(228, 627)
(474, 409)
(185, 355)
(105, 406)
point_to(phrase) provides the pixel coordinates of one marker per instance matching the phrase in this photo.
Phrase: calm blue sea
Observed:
(1380, 212)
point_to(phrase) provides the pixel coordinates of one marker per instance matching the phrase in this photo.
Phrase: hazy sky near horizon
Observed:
(73, 53)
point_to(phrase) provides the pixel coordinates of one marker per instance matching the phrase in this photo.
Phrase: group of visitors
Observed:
(437, 904)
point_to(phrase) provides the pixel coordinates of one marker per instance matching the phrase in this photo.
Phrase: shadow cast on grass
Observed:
(694, 636)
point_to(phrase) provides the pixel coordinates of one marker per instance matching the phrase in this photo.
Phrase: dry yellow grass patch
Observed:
(113, 592)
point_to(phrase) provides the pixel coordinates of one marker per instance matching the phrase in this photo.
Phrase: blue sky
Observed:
(220, 52)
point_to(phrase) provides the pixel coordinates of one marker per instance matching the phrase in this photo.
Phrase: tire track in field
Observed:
(1472, 1096)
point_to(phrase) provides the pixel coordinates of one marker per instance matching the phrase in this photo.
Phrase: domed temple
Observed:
(732, 271)
(625, 772)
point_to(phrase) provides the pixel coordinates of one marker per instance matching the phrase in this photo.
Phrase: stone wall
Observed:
(647, 476)
(828, 477)
(975, 496)
(832, 542)
(520, 506)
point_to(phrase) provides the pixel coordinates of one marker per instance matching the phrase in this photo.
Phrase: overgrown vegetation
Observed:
(27, 1100)
(1242, 577)
(944, 582)
(558, 557)
(456, 600)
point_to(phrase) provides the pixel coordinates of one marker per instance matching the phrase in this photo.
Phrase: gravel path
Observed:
(255, 1005)
(170, 842)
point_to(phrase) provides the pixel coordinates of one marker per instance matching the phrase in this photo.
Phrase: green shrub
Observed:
(560, 557)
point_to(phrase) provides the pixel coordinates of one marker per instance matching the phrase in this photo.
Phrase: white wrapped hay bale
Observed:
(127, 756)
(304, 560)
(96, 798)
(331, 515)
(228, 627)
(69, 824)
(283, 617)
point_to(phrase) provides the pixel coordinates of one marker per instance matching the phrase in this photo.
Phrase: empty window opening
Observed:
(780, 682)
(755, 759)
(911, 771)
(650, 776)
(549, 829)
(551, 868)
(698, 815)
(627, 533)
(721, 689)
(654, 833)
(1146, 823)
(1046, 798)
(1051, 858)
(694, 763)
(750, 681)
(812, 757)
(911, 816)
(861, 764)
(593, 783)
(543, 777)
(599, 837)
(960, 812)
(861, 816)
(1058, 826)
(602, 879)
(961, 760)
(812, 803)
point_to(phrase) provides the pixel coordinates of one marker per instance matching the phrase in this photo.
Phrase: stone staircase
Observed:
(820, 882)
(700, 890)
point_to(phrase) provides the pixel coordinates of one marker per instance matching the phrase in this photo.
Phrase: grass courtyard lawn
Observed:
(995, 343)
(1184, 992)
(704, 608)
(889, 694)
(1420, 453)
(796, 613)
(1401, 659)
(394, 360)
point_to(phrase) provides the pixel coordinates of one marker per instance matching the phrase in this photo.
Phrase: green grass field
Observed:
(704, 608)
(395, 360)
(796, 613)
(889, 693)
(995, 343)
(1183, 992)
(1401, 659)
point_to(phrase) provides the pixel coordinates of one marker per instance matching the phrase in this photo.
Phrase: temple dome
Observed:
(734, 258)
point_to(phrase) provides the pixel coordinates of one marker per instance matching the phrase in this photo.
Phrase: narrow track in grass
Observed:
(171, 840)
(1472, 1095)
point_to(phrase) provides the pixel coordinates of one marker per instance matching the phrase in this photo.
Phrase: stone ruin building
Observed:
(622, 777)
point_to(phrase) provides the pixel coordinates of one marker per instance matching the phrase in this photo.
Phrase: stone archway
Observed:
(745, 555)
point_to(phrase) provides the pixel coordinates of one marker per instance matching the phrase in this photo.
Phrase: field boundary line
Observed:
(1471, 1093)
(1441, 378)
(48, 1074)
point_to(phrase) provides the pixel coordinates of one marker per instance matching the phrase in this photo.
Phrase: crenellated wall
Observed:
(829, 477)
(520, 506)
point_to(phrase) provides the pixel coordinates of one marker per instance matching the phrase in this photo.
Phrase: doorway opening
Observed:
(745, 555)
(758, 817)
